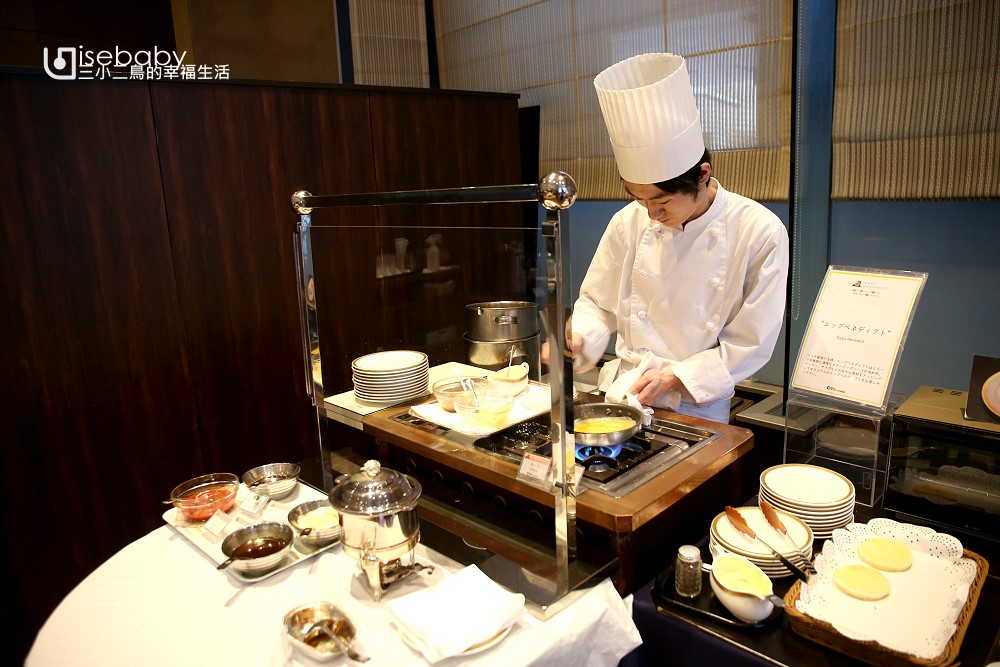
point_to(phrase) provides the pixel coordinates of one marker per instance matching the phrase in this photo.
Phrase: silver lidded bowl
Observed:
(317, 523)
(274, 480)
(378, 523)
(299, 626)
(262, 543)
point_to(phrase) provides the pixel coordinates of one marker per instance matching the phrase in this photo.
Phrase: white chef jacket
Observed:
(707, 300)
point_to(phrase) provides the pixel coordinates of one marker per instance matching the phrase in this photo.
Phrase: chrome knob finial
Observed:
(299, 200)
(557, 191)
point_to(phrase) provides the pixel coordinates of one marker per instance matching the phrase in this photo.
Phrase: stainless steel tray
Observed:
(276, 510)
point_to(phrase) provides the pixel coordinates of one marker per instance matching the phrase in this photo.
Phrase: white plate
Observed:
(389, 361)
(773, 570)
(423, 369)
(389, 386)
(406, 388)
(991, 394)
(764, 562)
(472, 650)
(807, 484)
(193, 531)
(803, 511)
(391, 400)
(390, 395)
(726, 533)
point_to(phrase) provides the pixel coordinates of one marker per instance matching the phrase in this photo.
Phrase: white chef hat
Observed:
(652, 118)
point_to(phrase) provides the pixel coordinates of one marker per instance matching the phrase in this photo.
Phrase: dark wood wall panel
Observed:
(151, 328)
(97, 405)
(444, 141)
(232, 156)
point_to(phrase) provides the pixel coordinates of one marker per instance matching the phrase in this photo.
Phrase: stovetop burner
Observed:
(614, 470)
(600, 463)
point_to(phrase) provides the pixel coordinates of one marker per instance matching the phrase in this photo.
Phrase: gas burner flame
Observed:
(584, 452)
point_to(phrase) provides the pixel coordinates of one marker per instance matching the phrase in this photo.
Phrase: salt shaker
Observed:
(687, 571)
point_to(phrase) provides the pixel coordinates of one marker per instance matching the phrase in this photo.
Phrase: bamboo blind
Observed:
(917, 99)
(389, 43)
(738, 55)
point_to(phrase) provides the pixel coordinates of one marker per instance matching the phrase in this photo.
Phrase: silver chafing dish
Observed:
(378, 524)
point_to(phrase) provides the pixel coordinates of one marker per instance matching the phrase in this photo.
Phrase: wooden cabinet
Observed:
(151, 327)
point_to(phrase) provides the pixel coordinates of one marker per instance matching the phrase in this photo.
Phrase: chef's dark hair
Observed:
(686, 183)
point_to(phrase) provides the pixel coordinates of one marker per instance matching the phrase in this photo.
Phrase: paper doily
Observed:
(918, 617)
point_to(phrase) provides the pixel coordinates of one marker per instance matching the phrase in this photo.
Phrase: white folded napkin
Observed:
(457, 613)
(618, 392)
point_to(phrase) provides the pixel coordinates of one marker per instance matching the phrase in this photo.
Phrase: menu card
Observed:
(855, 334)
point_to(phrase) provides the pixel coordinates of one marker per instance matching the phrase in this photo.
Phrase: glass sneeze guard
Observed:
(490, 244)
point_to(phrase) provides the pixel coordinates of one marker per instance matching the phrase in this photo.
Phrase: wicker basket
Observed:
(874, 653)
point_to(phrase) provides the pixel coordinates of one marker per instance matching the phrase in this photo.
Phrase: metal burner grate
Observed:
(653, 449)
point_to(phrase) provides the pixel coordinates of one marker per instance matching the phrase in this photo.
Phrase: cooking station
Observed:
(614, 470)
(637, 498)
(671, 478)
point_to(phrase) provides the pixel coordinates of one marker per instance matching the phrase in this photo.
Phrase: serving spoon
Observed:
(342, 644)
(229, 561)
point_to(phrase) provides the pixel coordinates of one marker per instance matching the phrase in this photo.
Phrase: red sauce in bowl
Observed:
(201, 503)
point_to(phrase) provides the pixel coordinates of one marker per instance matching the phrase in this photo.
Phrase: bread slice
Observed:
(861, 581)
(886, 553)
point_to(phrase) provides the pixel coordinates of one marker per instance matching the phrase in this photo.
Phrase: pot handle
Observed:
(505, 319)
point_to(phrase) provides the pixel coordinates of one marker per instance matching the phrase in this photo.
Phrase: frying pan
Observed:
(591, 410)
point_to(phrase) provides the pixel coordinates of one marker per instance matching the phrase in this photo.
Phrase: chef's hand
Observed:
(654, 383)
(576, 345)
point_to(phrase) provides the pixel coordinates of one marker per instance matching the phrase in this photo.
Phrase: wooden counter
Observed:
(642, 529)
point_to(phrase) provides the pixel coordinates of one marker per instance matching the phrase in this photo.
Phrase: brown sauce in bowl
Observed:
(259, 547)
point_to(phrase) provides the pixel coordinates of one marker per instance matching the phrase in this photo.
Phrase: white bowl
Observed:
(745, 606)
(509, 381)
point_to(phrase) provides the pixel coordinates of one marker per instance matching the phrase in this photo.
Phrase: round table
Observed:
(161, 601)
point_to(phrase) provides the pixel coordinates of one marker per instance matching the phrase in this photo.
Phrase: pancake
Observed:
(861, 582)
(886, 553)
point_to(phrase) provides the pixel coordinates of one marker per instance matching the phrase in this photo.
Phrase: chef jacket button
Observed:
(714, 281)
(643, 350)
(714, 231)
(709, 325)
(642, 314)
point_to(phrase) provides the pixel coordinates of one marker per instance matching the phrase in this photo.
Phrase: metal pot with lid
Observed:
(378, 523)
(502, 321)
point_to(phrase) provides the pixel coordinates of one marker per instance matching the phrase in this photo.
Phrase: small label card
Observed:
(535, 467)
(254, 504)
(214, 527)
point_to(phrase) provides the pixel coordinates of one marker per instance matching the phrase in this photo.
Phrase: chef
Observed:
(689, 275)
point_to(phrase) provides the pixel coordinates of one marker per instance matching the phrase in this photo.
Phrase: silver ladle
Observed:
(229, 561)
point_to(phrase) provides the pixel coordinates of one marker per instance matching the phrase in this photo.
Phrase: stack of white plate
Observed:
(724, 536)
(391, 377)
(821, 497)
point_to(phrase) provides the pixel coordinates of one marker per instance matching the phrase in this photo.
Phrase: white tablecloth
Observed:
(160, 601)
